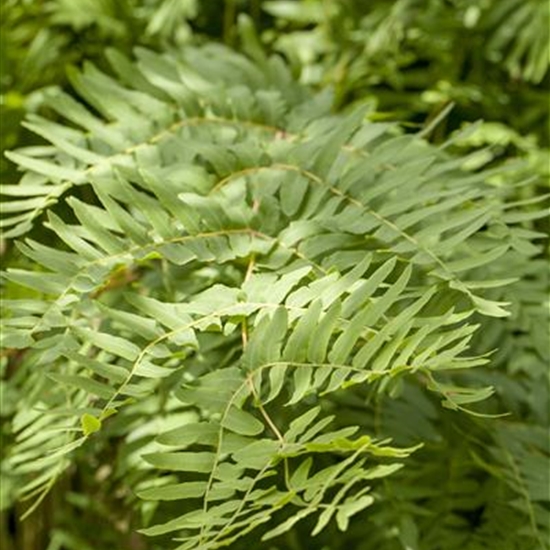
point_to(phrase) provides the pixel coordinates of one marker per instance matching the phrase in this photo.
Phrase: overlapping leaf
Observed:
(217, 238)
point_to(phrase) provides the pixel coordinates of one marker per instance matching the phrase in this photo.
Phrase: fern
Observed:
(226, 256)
(525, 53)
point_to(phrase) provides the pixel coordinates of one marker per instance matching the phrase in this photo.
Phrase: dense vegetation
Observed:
(275, 275)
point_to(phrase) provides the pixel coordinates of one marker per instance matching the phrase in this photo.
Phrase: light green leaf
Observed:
(200, 462)
(257, 455)
(350, 507)
(84, 383)
(53, 171)
(90, 424)
(177, 491)
(242, 422)
(113, 344)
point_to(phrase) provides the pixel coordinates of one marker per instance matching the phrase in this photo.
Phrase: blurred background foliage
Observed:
(484, 65)
(410, 58)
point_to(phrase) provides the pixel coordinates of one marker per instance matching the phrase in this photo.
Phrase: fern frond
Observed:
(223, 249)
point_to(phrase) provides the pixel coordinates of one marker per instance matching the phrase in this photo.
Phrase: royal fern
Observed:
(215, 263)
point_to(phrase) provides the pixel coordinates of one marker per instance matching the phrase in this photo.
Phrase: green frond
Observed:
(285, 256)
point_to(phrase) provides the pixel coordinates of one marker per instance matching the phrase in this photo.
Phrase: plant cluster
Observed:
(244, 306)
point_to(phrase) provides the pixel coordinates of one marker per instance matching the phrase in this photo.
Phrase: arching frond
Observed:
(219, 247)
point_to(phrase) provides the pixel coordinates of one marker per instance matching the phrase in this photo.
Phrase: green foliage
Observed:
(236, 317)
(413, 58)
(39, 40)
